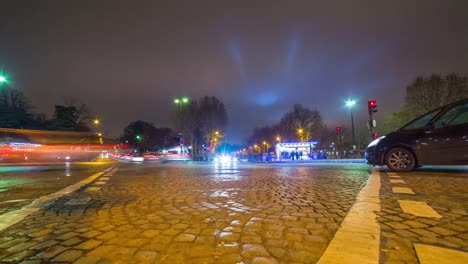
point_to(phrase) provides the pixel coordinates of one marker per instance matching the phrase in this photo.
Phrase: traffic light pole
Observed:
(352, 127)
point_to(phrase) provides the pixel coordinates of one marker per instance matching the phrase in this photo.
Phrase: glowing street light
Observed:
(350, 103)
(3, 79)
(96, 121)
(278, 138)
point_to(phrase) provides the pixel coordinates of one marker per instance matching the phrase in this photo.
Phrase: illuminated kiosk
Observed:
(284, 149)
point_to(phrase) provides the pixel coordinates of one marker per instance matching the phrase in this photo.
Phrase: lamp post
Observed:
(180, 102)
(350, 104)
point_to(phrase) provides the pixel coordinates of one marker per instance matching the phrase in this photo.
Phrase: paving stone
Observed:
(20, 247)
(264, 260)
(201, 250)
(18, 257)
(68, 256)
(184, 238)
(88, 245)
(145, 256)
(251, 239)
(50, 252)
(277, 252)
(72, 241)
(424, 232)
(108, 235)
(415, 224)
(442, 231)
(90, 260)
(229, 237)
(397, 225)
(254, 250)
(67, 235)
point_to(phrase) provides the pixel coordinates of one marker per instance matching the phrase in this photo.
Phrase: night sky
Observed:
(128, 59)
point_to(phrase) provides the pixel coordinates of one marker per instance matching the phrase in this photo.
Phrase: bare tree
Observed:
(427, 93)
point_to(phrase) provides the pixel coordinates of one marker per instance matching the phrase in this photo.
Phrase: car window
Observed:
(420, 122)
(457, 115)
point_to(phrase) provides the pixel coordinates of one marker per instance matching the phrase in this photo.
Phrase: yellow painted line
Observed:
(395, 177)
(358, 238)
(391, 173)
(403, 190)
(418, 209)
(397, 181)
(13, 217)
(438, 255)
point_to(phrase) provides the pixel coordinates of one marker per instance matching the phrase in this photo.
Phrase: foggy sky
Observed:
(128, 59)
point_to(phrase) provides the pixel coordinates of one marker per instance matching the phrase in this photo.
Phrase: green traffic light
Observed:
(176, 101)
(185, 100)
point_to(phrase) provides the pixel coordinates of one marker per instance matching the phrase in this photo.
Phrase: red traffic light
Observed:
(338, 129)
(372, 106)
(375, 135)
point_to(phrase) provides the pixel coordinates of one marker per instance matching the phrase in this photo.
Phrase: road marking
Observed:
(392, 174)
(403, 190)
(358, 238)
(438, 255)
(13, 217)
(395, 177)
(397, 181)
(15, 201)
(418, 209)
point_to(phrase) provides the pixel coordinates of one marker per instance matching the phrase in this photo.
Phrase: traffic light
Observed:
(338, 129)
(375, 135)
(138, 137)
(372, 106)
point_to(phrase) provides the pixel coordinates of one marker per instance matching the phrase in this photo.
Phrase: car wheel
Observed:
(399, 159)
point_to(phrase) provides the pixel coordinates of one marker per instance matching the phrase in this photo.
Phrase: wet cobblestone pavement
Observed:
(445, 192)
(193, 214)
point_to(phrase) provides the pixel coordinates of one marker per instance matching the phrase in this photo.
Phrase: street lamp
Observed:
(278, 138)
(300, 131)
(350, 103)
(96, 121)
(180, 101)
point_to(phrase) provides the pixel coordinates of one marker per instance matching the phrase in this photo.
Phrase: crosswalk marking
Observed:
(418, 209)
(397, 181)
(402, 190)
(437, 255)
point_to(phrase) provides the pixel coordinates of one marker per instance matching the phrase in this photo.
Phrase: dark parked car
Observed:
(439, 137)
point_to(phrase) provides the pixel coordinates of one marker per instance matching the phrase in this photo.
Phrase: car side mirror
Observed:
(429, 127)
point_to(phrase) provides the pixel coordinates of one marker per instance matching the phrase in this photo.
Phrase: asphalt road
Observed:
(21, 184)
(207, 213)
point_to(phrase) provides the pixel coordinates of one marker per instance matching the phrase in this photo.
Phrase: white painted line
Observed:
(104, 178)
(15, 201)
(438, 255)
(358, 238)
(391, 173)
(403, 190)
(418, 209)
(397, 181)
(100, 183)
(395, 177)
(13, 217)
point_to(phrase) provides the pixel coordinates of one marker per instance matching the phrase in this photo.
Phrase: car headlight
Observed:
(376, 141)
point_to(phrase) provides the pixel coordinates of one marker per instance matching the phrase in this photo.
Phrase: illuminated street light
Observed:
(176, 101)
(278, 138)
(96, 122)
(3, 79)
(350, 103)
(185, 100)
(99, 134)
(216, 132)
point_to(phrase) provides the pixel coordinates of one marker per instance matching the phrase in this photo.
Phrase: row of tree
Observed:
(423, 95)
(16, 111)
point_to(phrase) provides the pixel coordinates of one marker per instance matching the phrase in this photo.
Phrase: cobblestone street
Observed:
(191, 214)
(444, 192)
